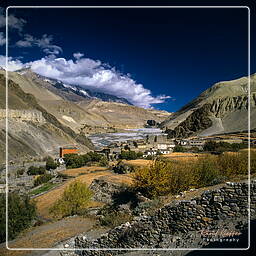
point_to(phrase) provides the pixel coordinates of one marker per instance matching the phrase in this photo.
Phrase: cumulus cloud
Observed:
(2, 39)
(45, 43)
(13, 22)
(13, 63)
(94, 75)
(78, 55)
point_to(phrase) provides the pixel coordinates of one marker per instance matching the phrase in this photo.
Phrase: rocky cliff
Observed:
(222, 108)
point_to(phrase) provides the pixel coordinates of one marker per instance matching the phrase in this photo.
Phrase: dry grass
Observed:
(179, 156)
(49, 234)
(86, 169)
(138, 162)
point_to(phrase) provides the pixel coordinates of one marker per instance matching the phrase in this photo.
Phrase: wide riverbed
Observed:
(104, 139)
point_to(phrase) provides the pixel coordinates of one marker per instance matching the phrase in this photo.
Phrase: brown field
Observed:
(45, 201)
(177, 156)
(84, 170)
(138, 162)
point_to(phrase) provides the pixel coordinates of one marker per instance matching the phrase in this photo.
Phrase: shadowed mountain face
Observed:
(222, 108)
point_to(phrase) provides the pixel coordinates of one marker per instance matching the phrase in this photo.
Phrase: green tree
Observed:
(178, 148)
(33, 170)
(21, 212)
(74, 200)
(50, 164)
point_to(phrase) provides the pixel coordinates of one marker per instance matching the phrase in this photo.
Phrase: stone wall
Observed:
(183, 224)
(23, 115)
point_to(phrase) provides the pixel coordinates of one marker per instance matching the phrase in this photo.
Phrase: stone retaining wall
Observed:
(183, 224)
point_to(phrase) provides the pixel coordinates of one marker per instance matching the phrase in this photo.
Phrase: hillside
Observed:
(73, 110)
(29, 136)
(222, 108)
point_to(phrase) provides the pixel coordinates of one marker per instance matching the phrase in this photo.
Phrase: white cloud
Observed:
(13, 22)
(45, 43)
(13, 63)
(94, 75)
(2, 39)
(78, 55)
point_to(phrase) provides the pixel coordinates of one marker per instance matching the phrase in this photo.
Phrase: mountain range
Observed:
(223, 108)
(46, 114)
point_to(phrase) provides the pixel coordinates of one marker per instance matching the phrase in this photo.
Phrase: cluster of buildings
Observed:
(149, 146)
(152, 145)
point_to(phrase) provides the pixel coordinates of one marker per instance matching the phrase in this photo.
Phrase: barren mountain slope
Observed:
(32, 130)
(121, 115)
(221, 108)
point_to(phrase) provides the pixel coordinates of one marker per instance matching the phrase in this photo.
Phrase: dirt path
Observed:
(48, 235)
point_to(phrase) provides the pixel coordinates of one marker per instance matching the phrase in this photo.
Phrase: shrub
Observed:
(111, 217)
(33, 170)
(76, 161)
(165, 176)
(179, 148)
(122, 168)
(130, 155)
(103, 161)
(74, 200)
(50, 164)
(20, 171)
(154, 180)
(223, 146)
(234, 163)
(42, 179)
(21, 212)
(207, 171)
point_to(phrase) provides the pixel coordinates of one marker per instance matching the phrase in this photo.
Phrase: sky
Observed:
(161, 58)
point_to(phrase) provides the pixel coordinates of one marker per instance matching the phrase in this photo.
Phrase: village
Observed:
(149, 148)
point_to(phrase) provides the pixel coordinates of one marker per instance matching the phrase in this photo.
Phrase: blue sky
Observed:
(147, 54)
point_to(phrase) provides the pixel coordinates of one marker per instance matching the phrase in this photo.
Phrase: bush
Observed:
(33, 170)
(130, 155)
(20, 171)
(223, 146)
(103, 161)
(179, 148)
(207, 171)
(20, 215)
(50, 164)
(74, 200)
(111, 217)
(76, 161)
(42, 179)
(165, 176)
(122, 168)
(154, 180)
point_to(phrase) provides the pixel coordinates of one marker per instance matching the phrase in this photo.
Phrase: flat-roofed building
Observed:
(67, 150)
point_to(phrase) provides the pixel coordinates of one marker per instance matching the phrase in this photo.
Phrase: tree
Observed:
(21, 212)
(50, 164)
(74, 200)
(33, 170)
(178, 148)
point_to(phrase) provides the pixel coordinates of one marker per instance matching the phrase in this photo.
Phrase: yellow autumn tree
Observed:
(74, 200)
